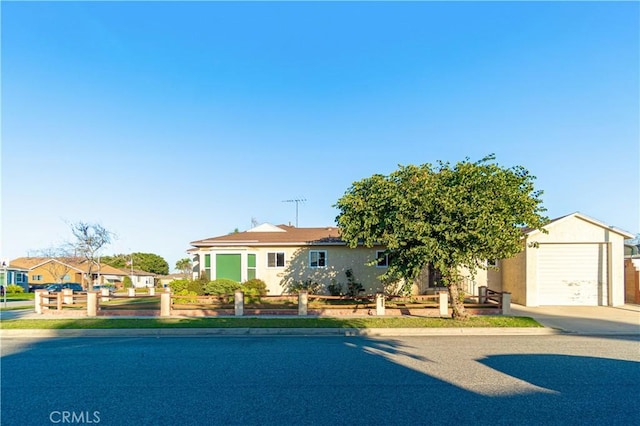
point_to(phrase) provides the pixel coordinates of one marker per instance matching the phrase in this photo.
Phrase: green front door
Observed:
(229, 266)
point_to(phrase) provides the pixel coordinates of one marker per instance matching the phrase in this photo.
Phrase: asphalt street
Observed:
(282, 380)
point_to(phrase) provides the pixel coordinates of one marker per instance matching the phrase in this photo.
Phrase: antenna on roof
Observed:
(297, 201)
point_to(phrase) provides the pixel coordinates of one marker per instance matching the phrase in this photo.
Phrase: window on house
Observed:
(383, 259)
(318, 258)
(36, 277)
(66, 278)
(20, 277)
(275, 259)
(251, 266)
(493, 263)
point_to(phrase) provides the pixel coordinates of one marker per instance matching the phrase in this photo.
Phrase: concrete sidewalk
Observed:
(586, 320)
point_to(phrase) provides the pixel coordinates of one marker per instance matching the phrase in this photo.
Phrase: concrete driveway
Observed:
(600, 320)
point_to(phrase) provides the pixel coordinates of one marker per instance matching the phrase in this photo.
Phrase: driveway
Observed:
(600, 320)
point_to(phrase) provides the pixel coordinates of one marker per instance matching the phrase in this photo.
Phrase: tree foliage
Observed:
(449, 216)
(185, 266)
(148, 262)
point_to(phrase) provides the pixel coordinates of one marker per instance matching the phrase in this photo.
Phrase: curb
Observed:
(355, 332)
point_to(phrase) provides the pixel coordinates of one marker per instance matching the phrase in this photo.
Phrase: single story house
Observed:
(578, 262)
(14, 275)
(283, 256)
(46, 270)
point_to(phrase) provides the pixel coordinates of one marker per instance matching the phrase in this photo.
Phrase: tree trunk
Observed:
(457, 304)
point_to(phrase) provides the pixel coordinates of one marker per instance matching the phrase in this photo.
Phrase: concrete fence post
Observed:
(131, 292)
(67, 296)
(92, 303)
(506, 303)
(59, 300)
(104, 293)
(443, 303)
(482, 294)
(37, 301)
(239, 303)
(152, 291)
(303, 302)
(46, 299)
(380, 307)
(165, 304)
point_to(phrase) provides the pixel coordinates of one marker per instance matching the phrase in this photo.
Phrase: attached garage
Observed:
(578, 262)
(572, 274)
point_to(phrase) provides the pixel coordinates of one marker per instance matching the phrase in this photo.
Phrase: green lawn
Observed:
(12, 297)
(393, 322)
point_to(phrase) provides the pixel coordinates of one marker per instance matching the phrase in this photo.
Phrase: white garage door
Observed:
(572, 274)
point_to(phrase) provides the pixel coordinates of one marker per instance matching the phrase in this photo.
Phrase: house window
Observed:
(66, 278)
(383, 259)
(36, 277)
(251, 266)
(317, 258)
(492, 263)
(275, 259)
(20, 277)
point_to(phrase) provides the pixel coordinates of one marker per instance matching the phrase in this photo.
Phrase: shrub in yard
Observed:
(126, 282)
(178, 285)
(255, 287)
(197, 286)
(222, 286)
(13, 289)
(186, 292)
(354, 288)
(335, 288)
(312, 287)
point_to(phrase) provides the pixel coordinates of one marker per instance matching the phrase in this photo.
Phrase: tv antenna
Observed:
(297, 201)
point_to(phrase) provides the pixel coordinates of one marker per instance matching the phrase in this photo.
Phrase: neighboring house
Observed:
(14, 276)
(580, 261)
(46, 270)
(284, 255)
(164, 280)
(139, 278)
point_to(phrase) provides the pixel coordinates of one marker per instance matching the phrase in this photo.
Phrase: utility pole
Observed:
(297, 201)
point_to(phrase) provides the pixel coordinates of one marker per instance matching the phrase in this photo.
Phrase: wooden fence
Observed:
(240, 304)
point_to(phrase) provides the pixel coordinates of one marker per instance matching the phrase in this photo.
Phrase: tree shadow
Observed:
(296, 380)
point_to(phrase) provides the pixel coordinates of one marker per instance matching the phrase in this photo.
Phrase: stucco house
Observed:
(283, 255)
(579, 261)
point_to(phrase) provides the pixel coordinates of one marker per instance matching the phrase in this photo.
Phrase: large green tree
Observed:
(148, 262)
(453, 217)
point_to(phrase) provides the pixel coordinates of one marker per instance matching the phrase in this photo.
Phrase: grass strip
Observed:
(394, 322)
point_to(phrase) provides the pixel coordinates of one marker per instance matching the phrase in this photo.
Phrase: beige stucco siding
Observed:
(297, 268)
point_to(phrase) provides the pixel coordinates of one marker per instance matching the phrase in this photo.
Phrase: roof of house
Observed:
(586, 218)
(77, 264)
(267, 234)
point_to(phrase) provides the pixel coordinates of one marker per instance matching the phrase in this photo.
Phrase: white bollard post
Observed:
(38, 301)
(104, 293)
(443, 299)
(303, 302)
(67, 296)
(132, 292)
(92, 303)
(152, 291)
(165, 304)
(239, 303)
(380, 307)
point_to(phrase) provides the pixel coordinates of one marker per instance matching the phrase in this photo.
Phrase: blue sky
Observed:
(170, 122)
